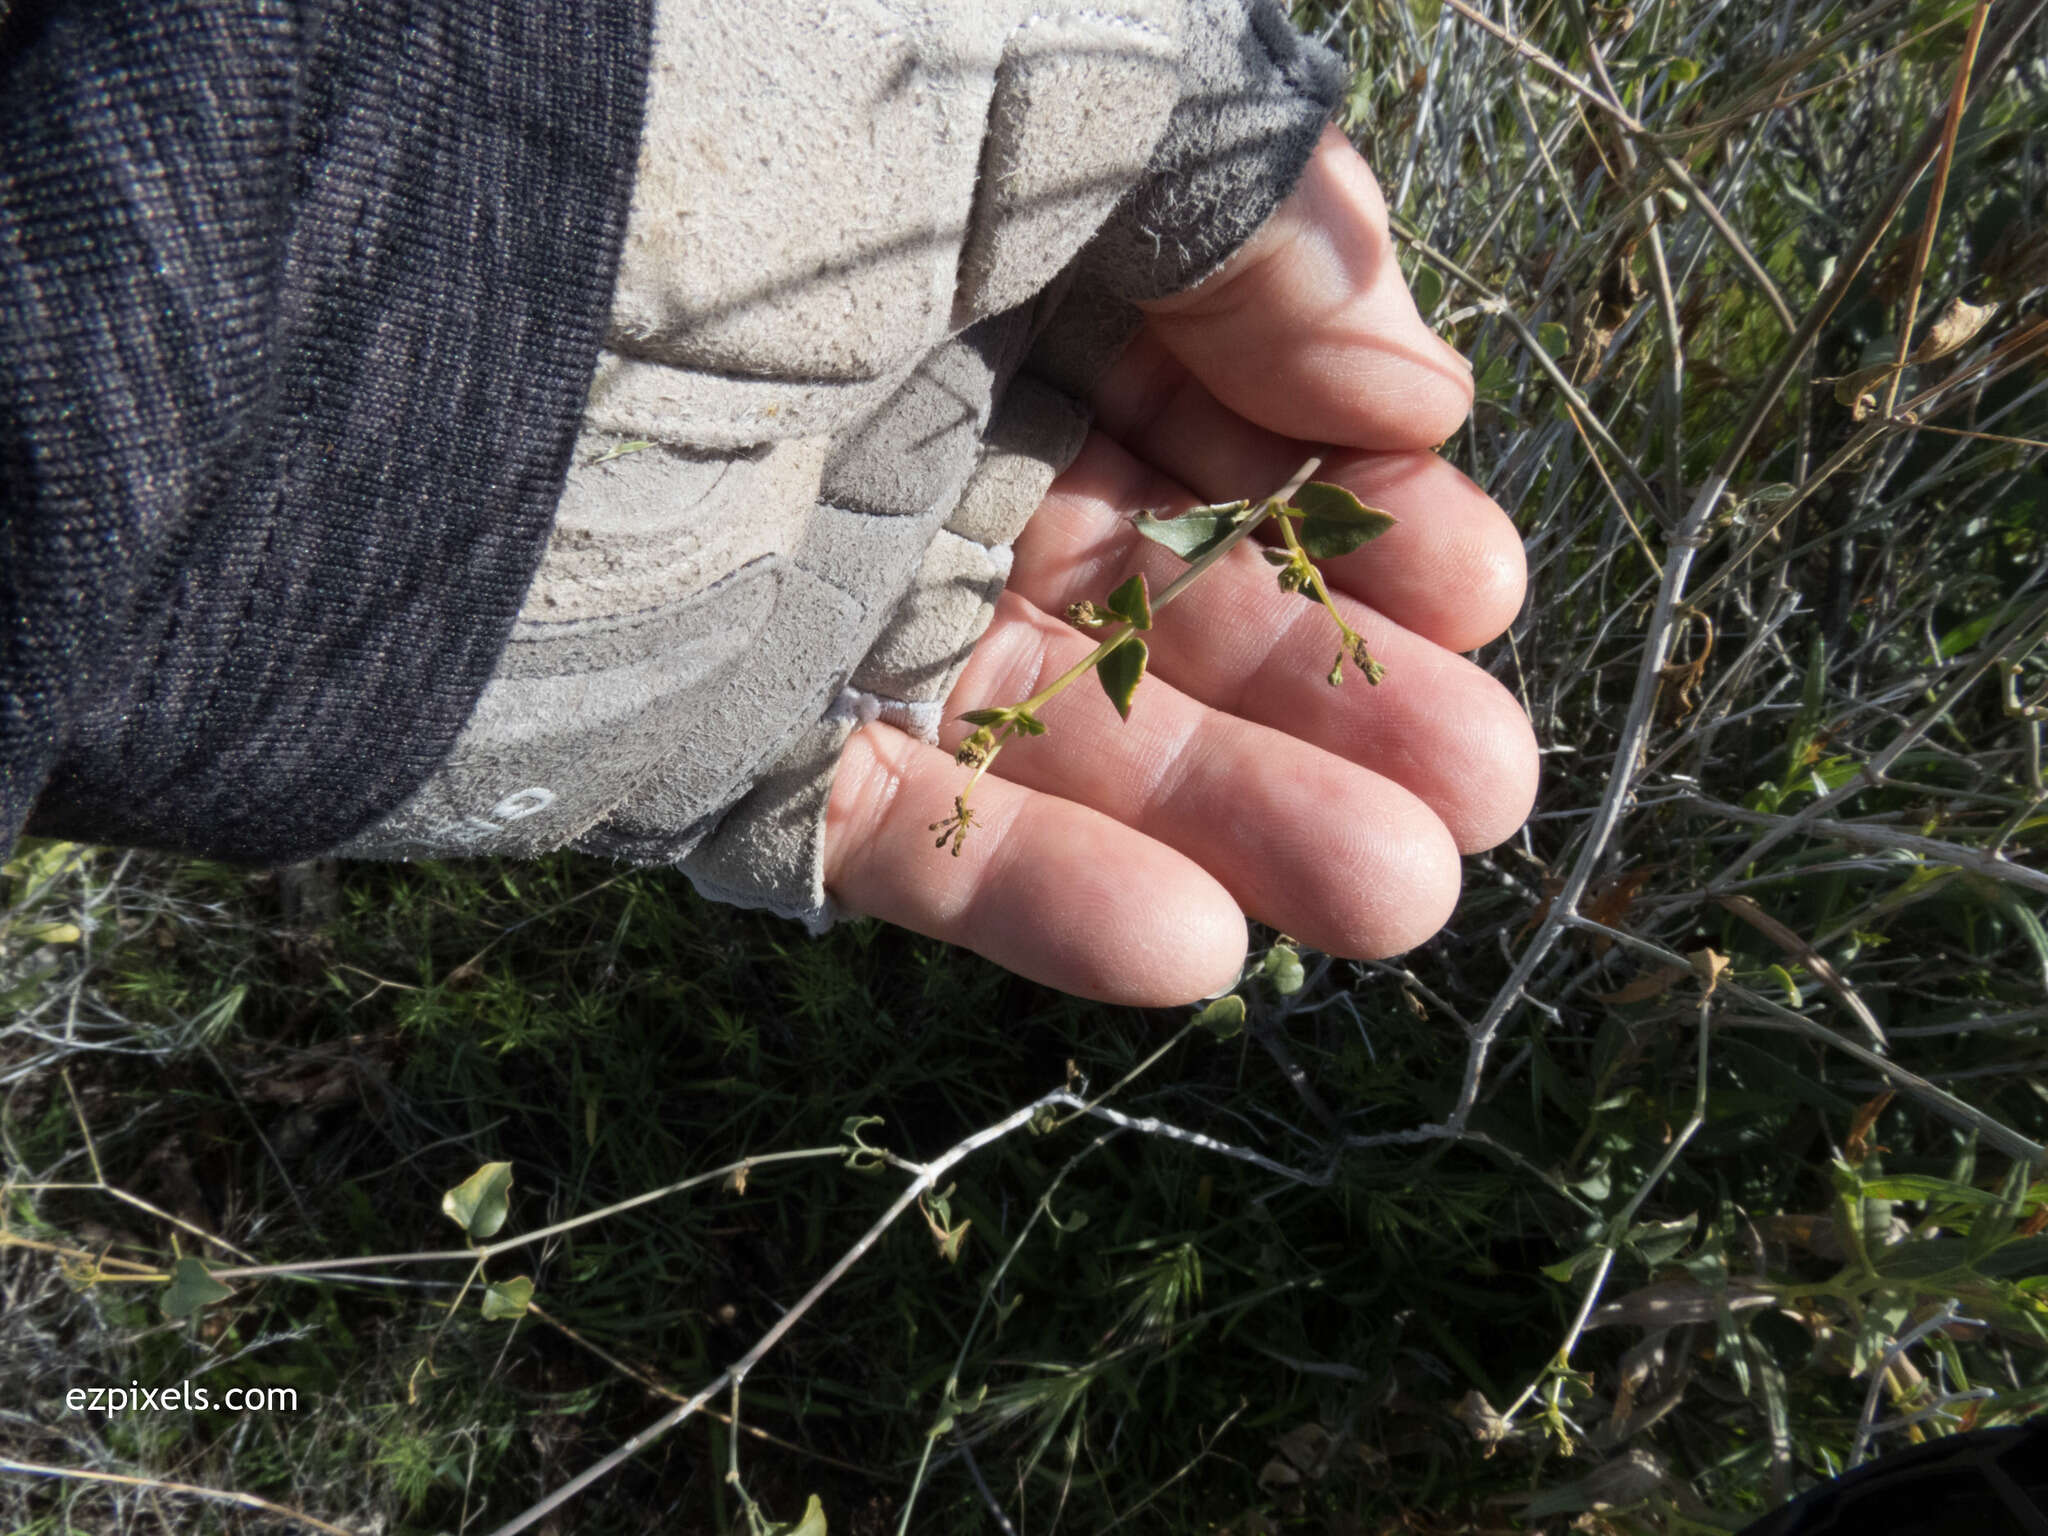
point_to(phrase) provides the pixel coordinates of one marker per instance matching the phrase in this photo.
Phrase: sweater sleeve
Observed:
(502, 467)
(298, 303)
(876, 255)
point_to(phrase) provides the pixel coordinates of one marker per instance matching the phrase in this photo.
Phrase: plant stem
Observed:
(1351, 636)
(954, 828)
(1186, 578)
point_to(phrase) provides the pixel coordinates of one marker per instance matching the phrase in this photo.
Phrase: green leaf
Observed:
(191, 1288)
(1223, 1018)
(1335, 522)
(986, 716)
(862, 1156)
(636, 445)
(2029, 925)
(1923, 1259)
(1989, 1229)
(505, 1300)
(1120, 671)
(1918, 1186)
(812, 1524)
(1553, 338)
(1282, 967)
(1132, 603)
(2022, 1256)
(1783, 977)
(1563, 1270)
(1428, 289)
(36, 863)
(1196, 531)
(1967, 636)
(481, 1202)
(1731, 1345)
(1658, 1241)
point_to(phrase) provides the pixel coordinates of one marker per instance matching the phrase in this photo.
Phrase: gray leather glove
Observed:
(877, 253)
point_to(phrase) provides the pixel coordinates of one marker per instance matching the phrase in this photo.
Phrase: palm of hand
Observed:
(1119, 859)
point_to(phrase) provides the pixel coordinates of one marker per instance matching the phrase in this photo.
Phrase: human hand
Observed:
(1118, 860)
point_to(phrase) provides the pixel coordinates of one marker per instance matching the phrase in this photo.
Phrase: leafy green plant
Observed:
(1332, 522)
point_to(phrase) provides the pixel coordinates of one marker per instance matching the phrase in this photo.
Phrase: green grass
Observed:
(1540, 1114)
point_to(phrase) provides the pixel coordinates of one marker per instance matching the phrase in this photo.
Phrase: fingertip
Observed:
(1430, 879)
(1050, 889)
(1176, 943)
(1496, 725)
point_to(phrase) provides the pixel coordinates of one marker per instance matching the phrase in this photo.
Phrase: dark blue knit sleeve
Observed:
(298, 308)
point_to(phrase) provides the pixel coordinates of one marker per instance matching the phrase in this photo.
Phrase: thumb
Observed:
(1309, 329)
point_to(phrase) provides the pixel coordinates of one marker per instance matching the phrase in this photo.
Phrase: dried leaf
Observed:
(1672, 1303)
(1858, 390)
(1485, 1421)
(1610, 907)
(1308, 1449)
(1857, 1147)
(1646, 986)
(1808, 956)
(952, 1240)
(1647, 1355)
(1952, 328)
(1708, 964)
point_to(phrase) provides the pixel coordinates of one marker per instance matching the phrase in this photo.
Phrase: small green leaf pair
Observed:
(1121, 668)
(479, 1205)
(1333, 522)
